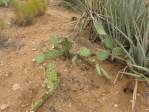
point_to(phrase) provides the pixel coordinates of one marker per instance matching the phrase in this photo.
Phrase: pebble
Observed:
(24, 105)
(15, 87)
(33, 60)
(3, 107)
(44, 64)
(98, 100)
(116, 105)
(34, 49)
(138, 94)
(1, 63)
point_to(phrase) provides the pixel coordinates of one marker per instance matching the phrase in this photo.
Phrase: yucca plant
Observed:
(124, 24)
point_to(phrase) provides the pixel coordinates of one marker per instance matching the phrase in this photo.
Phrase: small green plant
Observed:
(85, 52)
(51, 82)
(25, 12)
(52, 78)
(4, 3)
(100, 55)
(54, 41)
(62, 49)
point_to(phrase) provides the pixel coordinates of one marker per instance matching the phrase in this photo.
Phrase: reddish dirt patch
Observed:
(79, 91)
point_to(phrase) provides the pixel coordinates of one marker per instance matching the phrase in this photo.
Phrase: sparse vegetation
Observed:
(62, 47)
(74, 66)
(26, 12)
(122, 26)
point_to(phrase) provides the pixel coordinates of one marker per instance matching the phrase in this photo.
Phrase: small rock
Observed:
(41, 67)
(115, 105)
(34, 49)
(33, 60)
(138, 94)
(44, 64)
(15, 87)
(24, 105)
(8, 74)
(98, 100)
(3, 107)
(1, 63)
(9, 63)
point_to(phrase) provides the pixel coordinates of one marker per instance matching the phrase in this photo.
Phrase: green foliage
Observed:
(26, 12)
(103, 55)
(108, 43)
(4, 3)
(54, 41)
(62, 49)
(99, 28)
(85, 52)
(52, 81)
(52, 78)
(40, 58)
(125, 22)
(117, 51)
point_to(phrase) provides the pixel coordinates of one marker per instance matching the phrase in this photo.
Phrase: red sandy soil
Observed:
(80, 90)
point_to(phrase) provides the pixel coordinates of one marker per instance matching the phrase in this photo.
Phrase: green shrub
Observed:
(126, 22)
(4, 3)
(27, 11)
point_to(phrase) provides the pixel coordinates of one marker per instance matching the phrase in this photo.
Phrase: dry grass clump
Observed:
(25, 12)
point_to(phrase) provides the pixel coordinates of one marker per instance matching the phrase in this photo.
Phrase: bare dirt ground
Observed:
(80, 90)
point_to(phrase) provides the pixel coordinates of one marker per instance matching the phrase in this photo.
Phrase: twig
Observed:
(134, 95)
